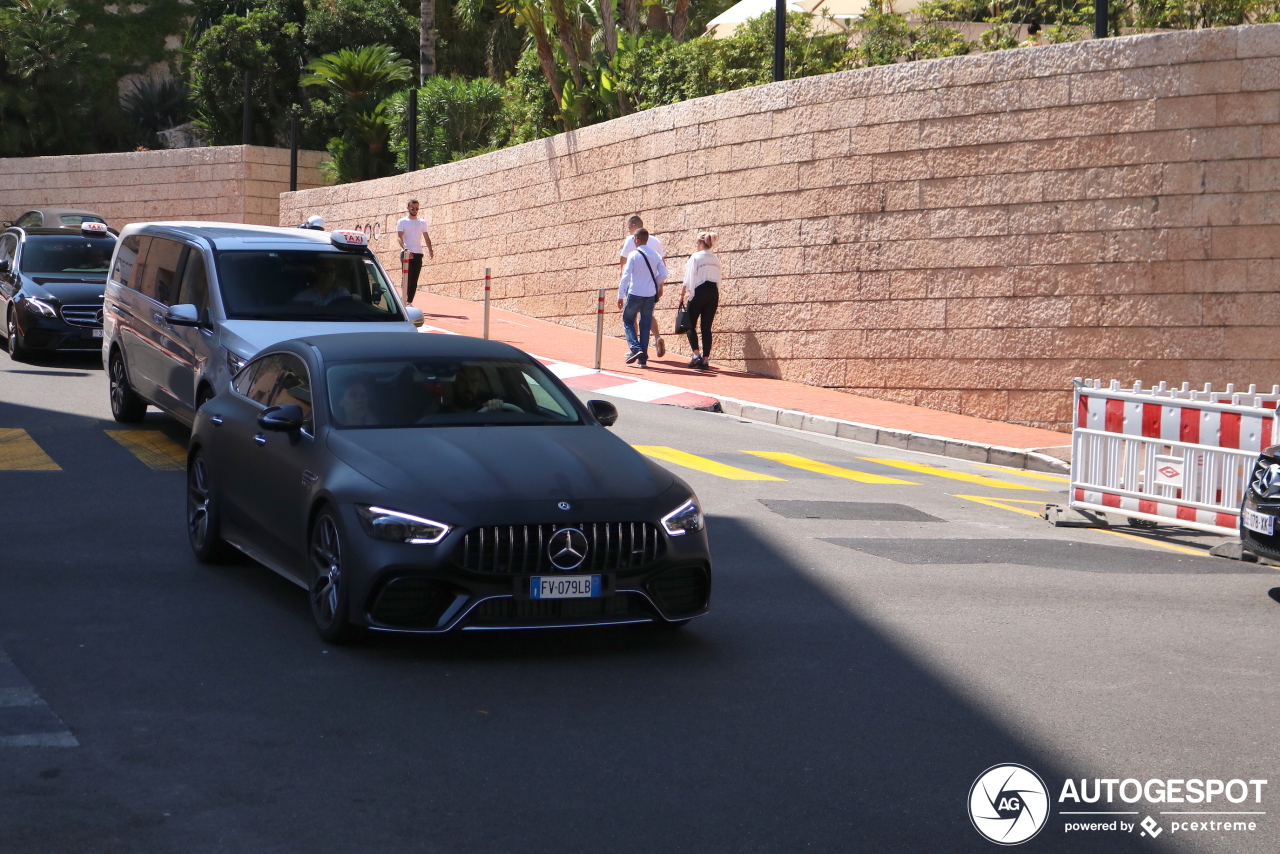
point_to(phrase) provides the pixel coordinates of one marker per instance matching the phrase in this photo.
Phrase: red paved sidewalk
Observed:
(552, 341)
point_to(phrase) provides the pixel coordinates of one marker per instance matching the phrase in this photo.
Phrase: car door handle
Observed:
(260, 439)
(216, 419)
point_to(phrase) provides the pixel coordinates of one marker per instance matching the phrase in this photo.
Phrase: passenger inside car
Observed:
(354, 408)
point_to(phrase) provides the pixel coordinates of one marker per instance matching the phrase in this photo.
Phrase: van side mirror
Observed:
(604, 411)
(184, 314)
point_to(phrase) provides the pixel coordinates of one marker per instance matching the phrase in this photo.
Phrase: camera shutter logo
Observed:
(1008, 804)
(567, 548)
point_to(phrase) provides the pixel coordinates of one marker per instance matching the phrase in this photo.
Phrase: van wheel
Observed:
(126, 406)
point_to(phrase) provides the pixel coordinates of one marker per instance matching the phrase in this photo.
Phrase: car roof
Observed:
(63, 231)
(59, 211)
(235, 235)
(346, 346)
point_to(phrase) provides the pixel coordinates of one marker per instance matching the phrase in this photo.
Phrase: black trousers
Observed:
(415, 270)
(702, 309)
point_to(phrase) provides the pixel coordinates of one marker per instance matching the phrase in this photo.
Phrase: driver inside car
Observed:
(325, 287)
(471, 392)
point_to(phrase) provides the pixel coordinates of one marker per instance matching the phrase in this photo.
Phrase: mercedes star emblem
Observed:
(1266, 478)
(567, 548)
(563, 505)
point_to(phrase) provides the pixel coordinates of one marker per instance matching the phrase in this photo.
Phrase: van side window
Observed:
(130, 260)
(195, 284)
(160, 281)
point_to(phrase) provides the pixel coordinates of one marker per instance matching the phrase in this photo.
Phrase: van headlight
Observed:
(396, 527)
(684, 519)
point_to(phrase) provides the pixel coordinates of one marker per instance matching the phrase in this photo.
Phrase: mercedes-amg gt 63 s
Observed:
(1261, 507)
(426, 483)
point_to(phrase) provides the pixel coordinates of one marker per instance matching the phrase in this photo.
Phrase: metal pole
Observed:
(779, 40)
(1100, 16)
(246, 131)
(293, 153)
(412, 160)
(486, 302)
(599, 325)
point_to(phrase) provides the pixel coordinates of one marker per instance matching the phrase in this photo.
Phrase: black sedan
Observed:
(426, 483)
(1261, 507)
(52, 282)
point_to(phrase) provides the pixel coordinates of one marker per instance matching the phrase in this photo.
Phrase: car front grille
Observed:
(412, 603)
(508, 610)
(83, 315)
(522, 549)
(683, 590)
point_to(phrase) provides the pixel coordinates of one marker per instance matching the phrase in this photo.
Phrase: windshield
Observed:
(304, 285)
(79, 255)
(444, 392)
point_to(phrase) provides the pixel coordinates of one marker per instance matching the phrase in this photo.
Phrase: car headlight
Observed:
(684, 519)
(234, 363)
(43, 307)
(396, 527)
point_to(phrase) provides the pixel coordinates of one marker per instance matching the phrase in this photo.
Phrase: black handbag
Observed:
(682, 320)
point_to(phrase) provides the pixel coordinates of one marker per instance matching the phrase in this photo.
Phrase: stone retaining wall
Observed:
(229, 183)
(966, 234)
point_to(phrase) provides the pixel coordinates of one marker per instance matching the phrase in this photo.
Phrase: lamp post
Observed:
(779, 40)
(1100, 15)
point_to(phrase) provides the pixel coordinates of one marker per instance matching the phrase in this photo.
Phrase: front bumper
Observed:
(1252, 541)
(41, 332)
(395, 587)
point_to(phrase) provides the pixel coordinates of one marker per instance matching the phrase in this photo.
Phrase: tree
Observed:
(357, 84)
(46, 104)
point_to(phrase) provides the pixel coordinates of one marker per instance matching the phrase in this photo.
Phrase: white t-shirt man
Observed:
(629, 246)
(411, 230)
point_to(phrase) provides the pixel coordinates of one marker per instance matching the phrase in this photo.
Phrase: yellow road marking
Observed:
(825, 468)
(994, 502)
(154, 448)
(19, 452)
(981, 480)
(702, 464)
(1035, 475)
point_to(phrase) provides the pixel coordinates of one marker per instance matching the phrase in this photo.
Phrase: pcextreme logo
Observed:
(1009, 804)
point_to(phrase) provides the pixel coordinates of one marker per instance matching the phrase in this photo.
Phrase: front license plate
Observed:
(1260, 523)
(564, 587)
(96, 333)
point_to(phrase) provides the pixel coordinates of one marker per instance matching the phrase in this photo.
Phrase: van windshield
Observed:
(304, 285)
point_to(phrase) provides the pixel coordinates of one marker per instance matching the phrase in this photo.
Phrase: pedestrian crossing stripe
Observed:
(153, 448)
(826, 468)
(702, 464)
(981, 480)
(1034, 475)
(1001, 503)
(19, 452)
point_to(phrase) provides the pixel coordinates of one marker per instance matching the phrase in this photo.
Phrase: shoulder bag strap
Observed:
(650, 266)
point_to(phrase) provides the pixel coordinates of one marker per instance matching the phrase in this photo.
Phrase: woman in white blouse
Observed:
(702, 290)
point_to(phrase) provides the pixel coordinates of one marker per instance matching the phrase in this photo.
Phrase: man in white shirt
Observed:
(629, 245)
(411, 231)
(639, 290)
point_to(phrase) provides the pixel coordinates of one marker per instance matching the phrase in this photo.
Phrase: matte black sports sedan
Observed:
(425, 483)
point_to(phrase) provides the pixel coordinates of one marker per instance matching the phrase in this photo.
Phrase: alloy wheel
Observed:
(326, 559)
(198, 497)
(117, 381)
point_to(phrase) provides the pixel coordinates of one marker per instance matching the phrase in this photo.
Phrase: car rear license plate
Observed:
(96, 333)
(564, 587)
(1260, 523)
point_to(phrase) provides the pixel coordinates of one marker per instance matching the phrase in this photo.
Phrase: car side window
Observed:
(195, 283)
(130, 263)
(292, 386)
(8, 243)
(160, 281)
(263, 382)
(243, 380)
(31, 219)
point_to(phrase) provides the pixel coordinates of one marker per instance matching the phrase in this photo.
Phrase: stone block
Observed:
(966, 451)
(756, 412)
(857, 432)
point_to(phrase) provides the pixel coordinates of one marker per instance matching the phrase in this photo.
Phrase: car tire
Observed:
(126, 406)
(203, 396)
(330, 592)
(13, 337)
(204, 518)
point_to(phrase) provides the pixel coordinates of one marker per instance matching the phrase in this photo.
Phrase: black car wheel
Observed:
(329, 594)
(204, 523)
(16, 351)
(126, 406)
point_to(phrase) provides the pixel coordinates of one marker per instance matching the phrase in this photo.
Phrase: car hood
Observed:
(65, 291)
(247, 338)
(467, 465)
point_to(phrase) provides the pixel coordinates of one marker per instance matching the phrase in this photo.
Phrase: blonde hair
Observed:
(707, 238)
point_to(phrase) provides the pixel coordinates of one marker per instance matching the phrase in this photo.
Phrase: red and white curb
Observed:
(617, 385)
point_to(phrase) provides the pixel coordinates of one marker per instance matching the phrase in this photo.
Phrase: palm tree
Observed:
(360, 81)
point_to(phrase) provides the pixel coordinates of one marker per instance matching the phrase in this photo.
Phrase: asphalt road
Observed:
(872, 649)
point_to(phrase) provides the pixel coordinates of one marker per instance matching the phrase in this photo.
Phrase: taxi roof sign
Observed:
(93, 228)
(352, 239)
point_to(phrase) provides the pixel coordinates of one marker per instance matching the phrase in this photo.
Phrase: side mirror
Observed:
(415, 315)
(604, 411)
(182, 315)
(6, 265)
(281, 419)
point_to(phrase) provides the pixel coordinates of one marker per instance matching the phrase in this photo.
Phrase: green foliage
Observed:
(530, 111)
(331, 25)
(154, 105)
(357, 84)
(456, 117)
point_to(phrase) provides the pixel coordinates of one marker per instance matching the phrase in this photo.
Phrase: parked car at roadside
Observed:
(1261, 507)
(56, 218)
(188, 303)
(51, 287)
(429, 483)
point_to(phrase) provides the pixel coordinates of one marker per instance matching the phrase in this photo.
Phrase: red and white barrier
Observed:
(1168, 455)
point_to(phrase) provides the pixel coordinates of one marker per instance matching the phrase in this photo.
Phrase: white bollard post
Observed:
(486, 302)
(599, 325)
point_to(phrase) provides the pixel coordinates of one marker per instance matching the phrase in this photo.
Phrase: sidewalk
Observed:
(571, 353)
